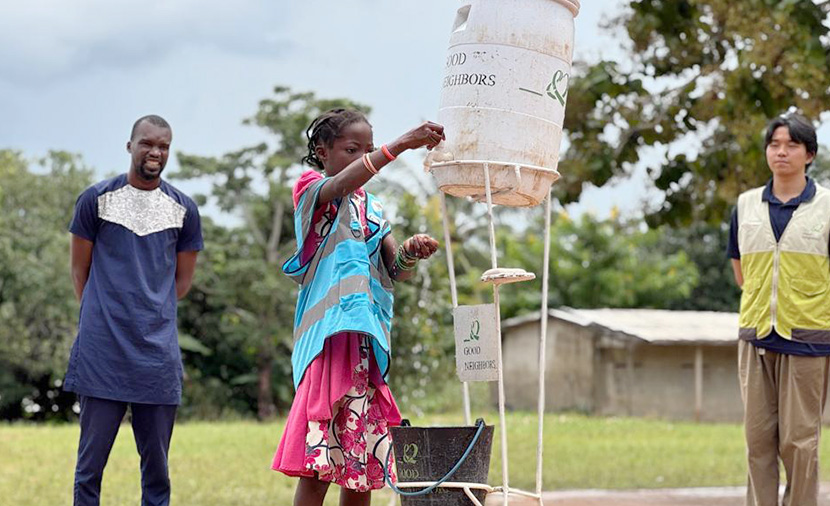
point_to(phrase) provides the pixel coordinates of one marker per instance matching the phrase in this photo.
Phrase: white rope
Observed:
(471, 497)
(494, 259)
(446, 484)
(543, 337)
(516, 491)
(467, 487)
(465, 387)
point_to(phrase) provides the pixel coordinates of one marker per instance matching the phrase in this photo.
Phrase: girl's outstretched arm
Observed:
(356, 174)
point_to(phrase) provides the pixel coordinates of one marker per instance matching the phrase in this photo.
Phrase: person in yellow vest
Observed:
(778, 244)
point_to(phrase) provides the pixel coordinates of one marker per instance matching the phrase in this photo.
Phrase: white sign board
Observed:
(476, 343)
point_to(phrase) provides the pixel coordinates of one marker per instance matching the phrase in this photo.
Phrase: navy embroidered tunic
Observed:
(127, 345)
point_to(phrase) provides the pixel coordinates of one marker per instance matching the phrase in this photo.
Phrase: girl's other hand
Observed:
(421, 246)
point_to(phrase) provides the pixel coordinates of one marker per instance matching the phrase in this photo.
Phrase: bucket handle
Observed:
(387, 478)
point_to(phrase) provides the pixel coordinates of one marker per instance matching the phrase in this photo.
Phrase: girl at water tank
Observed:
(346, 262)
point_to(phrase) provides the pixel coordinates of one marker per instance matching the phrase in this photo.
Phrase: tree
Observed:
(254, 183)
(705, 245)
(700, 81)
(598, 263)
(219, 335)
(37, 302)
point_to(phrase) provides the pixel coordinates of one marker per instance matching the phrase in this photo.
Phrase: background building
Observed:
(632, 362)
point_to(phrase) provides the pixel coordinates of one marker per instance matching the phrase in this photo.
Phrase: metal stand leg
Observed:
(494, 260)
(543, 336)
(454, 294)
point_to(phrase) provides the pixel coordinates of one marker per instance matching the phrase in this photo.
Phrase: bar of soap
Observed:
(438, 154)
(502, 275)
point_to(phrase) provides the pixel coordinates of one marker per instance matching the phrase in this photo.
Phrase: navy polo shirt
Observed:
(780, 214)
(127, 346)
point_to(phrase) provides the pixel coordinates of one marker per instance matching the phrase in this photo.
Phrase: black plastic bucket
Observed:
(429, 453)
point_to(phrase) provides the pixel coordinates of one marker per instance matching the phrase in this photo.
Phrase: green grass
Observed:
(228, 463)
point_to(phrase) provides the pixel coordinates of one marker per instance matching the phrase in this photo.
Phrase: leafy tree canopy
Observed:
(700, 80)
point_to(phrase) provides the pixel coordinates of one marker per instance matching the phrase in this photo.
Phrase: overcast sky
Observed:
(74, 75)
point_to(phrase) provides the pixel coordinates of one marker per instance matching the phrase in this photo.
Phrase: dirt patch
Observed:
(722, 496)
(674, 497)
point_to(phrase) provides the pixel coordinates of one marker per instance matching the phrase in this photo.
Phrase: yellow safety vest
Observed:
(786, 282)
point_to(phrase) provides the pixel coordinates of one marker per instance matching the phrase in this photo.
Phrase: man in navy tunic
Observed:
(135, 239)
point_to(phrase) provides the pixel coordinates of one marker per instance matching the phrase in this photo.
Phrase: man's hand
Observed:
(736, 270)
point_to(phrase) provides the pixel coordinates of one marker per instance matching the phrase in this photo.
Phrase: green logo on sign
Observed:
(475, 328)
(557, 89)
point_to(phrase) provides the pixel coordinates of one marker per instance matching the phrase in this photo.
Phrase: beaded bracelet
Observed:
(405, 261)
(409, 256)
(402, 267)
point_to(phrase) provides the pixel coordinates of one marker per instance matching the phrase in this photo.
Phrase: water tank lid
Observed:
(572, 5)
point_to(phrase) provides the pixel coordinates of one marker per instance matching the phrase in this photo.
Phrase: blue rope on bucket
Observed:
(388, 480)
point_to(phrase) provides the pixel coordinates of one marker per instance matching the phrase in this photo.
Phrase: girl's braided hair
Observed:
(326, 128)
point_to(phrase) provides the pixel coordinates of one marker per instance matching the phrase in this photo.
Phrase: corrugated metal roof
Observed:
(656, 326)
(566, 314)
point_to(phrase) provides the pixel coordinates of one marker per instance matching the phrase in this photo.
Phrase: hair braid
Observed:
(325, 129)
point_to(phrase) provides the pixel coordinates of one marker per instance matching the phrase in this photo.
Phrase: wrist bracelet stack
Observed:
(369, 165)
(367, 162)
(405, 261)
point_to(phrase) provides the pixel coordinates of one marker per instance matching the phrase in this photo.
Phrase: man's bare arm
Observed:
(80, 254)
(185, 267)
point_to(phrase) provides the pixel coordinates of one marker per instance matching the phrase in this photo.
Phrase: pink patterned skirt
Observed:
(338, 426)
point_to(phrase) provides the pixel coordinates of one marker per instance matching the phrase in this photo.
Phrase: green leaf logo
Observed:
(410, 454)
(557, 89)
(475, 329)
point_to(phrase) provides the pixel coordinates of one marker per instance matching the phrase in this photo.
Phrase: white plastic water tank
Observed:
(503, 98)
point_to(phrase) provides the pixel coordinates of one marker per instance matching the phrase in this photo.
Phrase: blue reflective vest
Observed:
(344, 287)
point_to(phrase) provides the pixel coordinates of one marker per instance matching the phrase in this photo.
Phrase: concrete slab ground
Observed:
(714, 496)
(720, 496)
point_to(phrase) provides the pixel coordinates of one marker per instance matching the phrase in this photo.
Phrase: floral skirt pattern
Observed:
(351, 448)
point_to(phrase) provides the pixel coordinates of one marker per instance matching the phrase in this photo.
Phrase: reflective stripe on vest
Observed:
(344, 287)
(785, 282)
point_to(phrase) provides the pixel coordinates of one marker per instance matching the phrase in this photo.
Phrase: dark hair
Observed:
(801, 131)
(326, 128)
(153, 119)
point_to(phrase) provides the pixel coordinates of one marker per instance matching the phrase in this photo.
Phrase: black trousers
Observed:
(152, 427)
